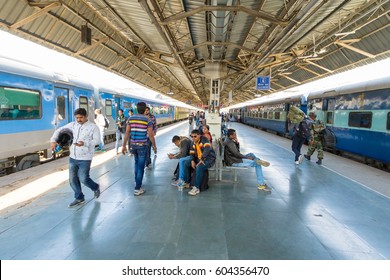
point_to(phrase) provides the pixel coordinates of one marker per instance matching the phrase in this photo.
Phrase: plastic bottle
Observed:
(180, 185)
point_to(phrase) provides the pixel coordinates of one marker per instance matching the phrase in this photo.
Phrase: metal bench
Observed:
(221, 164)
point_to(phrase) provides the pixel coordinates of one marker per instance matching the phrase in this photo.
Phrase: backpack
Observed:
(304, 128)
(106, 123)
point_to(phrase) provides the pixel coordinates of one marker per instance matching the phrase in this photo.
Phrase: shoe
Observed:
(263, 163)
(194, 191)
(149, 166)
(263, 187)
(76, 202)
(307, 157)
(175, 183)
(319, 161)
(300, 159)
(139, 192)
(97, 192)
(297, 162)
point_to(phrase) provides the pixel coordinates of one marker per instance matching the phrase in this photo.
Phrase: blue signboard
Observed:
(263, 83)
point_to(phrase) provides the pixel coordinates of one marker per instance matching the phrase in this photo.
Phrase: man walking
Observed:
(138, 128)
(85, 136)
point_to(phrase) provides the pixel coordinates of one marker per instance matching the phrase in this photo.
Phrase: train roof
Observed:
(21, 68)
(369, 85)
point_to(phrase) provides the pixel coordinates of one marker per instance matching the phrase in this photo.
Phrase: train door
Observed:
(62, 106)
(328, 108)
(287, 122)
(116, 107)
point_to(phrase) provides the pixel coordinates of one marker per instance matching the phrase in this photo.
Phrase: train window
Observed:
(277, 115)
(329, 117)
(360, 119)
(270, 115)
(61, 107)
(19, 104)
(388, 121)
(83, 102)
(127, 105)
(108, 107)
(265, 115)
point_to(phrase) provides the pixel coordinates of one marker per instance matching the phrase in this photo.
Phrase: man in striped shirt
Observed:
(138, 128)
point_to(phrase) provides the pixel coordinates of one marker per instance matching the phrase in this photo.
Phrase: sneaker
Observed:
(307, 157)
(139, 192)
(263, 187)
(296, 162)
(300, 159)
(97, 192)
(319, 161)
(263, 163)
(76, 202)
(194, 191)
(149, 166)
(175, 183)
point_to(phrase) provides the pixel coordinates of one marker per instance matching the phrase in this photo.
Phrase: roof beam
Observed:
(207, 43)
(344, 43)
(35, 15)
(234, 8)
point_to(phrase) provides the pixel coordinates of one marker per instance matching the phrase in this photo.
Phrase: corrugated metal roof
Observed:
(169, 45)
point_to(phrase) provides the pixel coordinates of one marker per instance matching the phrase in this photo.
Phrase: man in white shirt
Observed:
(85, 136)
(101, 123)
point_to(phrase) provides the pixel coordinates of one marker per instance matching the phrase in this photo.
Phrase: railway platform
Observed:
(337, 211)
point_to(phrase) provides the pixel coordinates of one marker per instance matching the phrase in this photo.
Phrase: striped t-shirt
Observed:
(139, 126)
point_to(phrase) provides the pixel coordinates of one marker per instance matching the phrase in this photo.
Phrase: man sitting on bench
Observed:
(203, 157)
(233, 157)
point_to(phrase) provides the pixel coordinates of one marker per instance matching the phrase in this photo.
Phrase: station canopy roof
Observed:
(179, 46)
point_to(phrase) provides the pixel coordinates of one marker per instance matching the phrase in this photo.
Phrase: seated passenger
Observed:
(206, 133)
(203, 157)
(184, 144)
(233, 157)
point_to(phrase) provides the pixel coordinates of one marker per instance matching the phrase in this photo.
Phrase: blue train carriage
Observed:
(270, 114)
(33, 103)
(359, 117)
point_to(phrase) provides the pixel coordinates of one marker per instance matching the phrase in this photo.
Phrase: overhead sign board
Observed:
(263, 83)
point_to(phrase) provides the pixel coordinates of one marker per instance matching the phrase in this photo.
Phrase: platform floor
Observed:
(340, 210)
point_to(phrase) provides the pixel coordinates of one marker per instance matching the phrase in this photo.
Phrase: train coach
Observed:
(34, 102)
(357, 115)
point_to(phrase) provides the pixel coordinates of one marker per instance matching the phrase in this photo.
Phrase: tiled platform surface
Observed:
(340, 210)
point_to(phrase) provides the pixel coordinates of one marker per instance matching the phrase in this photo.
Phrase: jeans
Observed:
(119, 135)
(184, 168)
(200, 169)
(148, 152)
(139, 153)
(79, 173)
(296, 146)
(252, 163)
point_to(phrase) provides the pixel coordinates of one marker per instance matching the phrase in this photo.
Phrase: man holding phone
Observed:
(86, 136)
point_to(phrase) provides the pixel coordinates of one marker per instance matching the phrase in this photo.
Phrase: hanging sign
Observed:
(263, 83)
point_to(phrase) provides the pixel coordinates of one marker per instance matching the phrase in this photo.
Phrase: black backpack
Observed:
(304, 128)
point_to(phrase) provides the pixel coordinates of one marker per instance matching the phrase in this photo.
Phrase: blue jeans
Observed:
(139, 153)
(148, 152)
(79, 173)
(200, 169)
(119, 135)
(296, 146)
(252, 163)
(184, 168)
